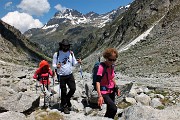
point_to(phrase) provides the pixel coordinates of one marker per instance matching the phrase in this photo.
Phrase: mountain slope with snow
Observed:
(147, 38)
(72, 25)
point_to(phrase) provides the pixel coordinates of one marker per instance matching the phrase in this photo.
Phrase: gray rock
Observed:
(141, 112)
(20, 102)
(21, 86)
(155, 102)
(146, 90)
(10, 115)
(160, 96)
(6, 92)
(133, 93)
(143, 99)
(130, 100)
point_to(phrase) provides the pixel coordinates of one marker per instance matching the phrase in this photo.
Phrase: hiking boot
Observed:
(70, 108)
(66, 110)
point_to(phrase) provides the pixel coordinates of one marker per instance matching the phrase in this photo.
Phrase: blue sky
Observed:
(26, 14)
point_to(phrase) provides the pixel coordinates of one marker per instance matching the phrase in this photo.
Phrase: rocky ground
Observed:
(148, 99)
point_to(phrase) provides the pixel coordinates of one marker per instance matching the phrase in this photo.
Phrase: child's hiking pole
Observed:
(48, 97)
(44, 94)
(53, 84)
(36, 85)
(53, 87)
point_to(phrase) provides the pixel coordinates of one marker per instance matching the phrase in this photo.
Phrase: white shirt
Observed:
(66, 59)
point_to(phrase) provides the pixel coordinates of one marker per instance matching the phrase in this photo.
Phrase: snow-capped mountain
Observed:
(72, 25)
(73, 17)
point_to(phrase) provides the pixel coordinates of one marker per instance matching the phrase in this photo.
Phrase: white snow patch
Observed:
(142, 36)
(50, 26)
(53, 30)
(127, 6)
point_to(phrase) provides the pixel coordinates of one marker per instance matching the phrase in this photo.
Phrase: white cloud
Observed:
(8, 4)
(34, 7)
(21, 21)
(60, 8)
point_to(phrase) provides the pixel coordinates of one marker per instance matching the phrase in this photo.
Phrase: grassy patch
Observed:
(44, 115)
(53, 116)
(165, 101)
(164, 93)
(160, 107)
(123, 105)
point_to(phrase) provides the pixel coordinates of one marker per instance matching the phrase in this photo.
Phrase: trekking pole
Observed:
(59, 88)
(53, 87)
(36, 86)
(81, 71)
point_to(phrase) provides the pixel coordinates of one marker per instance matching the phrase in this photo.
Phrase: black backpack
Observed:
(95, 70)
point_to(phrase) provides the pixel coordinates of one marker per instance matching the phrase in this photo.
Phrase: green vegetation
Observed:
(160, 107)
(44, 115)
(162, 92)
(123, 105)
(165, 101)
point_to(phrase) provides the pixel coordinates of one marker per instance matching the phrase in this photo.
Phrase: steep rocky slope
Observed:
(156, 51)
(16, 48)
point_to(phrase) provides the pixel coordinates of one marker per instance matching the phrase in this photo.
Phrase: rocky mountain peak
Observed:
(91, 15)
(68, 12)
(74, 17)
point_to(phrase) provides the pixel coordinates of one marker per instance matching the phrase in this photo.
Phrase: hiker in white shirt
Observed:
(63, 60)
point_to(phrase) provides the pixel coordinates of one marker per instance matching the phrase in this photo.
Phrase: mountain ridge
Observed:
(146, 36)
(71, 25)
(16, 47)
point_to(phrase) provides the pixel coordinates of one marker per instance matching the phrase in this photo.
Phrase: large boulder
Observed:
(143, 99)
(6, 92)
(10, 115)
(92, 95)
(141, 112)
(20, 102)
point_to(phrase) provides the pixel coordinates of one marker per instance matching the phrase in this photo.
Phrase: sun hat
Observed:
(64, 42)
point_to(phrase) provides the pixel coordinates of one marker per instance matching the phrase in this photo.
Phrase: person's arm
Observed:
(75, 62)
(100, 98)
(98, 81)
(117, 90)
(35, 76)
(51, 72)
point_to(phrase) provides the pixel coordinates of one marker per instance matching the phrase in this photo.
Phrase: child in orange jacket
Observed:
(42, 74)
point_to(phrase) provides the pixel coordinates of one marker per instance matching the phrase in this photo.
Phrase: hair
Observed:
(109, 52)
(60, 45)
